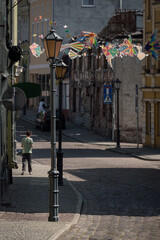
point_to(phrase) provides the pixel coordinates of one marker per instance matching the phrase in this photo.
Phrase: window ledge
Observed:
(88, 6)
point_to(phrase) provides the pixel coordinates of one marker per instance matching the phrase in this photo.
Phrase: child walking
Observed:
(27, 145)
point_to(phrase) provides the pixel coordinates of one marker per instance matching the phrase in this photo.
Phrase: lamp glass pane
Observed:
(51, 48)
(46, 48)
(58, 47)
(64, 72)
(58, 72)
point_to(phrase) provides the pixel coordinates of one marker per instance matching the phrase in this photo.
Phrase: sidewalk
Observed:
(86, 136)
(23, 216)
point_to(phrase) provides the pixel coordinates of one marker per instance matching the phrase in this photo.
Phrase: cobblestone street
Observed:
(120, 193)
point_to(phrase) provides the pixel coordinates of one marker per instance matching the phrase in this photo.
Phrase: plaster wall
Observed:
(92, 19)
(128, 70)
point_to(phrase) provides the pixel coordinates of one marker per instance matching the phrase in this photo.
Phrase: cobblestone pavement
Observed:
(25, 206)
(121, 194)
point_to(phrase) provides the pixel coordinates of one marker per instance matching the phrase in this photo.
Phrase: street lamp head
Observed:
(117, 84)
(61, 70)
(52, 44)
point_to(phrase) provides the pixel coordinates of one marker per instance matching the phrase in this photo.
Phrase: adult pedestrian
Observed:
(27, 145)
(42, 106)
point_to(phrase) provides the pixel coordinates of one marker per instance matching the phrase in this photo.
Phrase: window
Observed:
(88, 3)
(105, 63)
(38, 32)
(89, 59)
(158, 118)
(148, 64)
(74, 99)
(80, 63)
(149, 7)
(48, 82)
(47, 6)
(75, 64)
(42, 7)
(32, 32)
(148, 118)
(158, 66)
(98, 101)
(42, 32)
(37, 10)
(33, 11)
(98, 59)
(43, 82)
(47, 23)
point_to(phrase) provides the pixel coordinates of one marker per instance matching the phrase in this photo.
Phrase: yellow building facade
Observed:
(151, 79)
(41, 13)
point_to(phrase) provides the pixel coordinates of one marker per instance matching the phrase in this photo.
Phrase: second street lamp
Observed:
(117, 84)
(52, 44)
(61, 70)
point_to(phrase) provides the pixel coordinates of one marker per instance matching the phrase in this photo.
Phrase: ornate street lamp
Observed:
(52, 44)
(117, 84)
(61, 70)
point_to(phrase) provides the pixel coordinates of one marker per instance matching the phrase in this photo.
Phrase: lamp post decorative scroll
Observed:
(117, 84)
(61, 70)
(52, 44)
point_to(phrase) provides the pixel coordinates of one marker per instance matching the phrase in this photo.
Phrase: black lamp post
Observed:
(117, 84)
(61, 70)
(52, 44)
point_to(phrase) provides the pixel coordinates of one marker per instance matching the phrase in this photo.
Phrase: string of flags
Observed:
(110, 51)
(153, 45)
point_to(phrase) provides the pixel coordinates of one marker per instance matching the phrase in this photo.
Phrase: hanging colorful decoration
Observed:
(106, 49)
(72, 54)
(35, 49)
(129, 49)
(77, 46)
(90, 37)
(140, 54)
(89, 40)
(153, 45)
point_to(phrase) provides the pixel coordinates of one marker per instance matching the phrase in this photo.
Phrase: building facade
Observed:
(68, 18)
(8, 42)
(151, 79)
(23, 37)
(91, 74)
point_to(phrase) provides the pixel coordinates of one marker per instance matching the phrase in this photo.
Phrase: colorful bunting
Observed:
(77, 46)
(91, 37)
(129, 49)
(35, 49)
(72, 54)
(106, 49)
(153, 45)
(89, 40)
(140, 54)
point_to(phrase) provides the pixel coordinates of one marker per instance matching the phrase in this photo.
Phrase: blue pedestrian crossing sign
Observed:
(107, 93)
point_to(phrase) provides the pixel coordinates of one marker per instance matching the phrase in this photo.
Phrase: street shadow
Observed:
(119, 191)
(30, 195)
(77, 153)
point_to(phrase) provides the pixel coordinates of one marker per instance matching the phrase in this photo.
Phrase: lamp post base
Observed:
(54, 196)
(60, 167)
